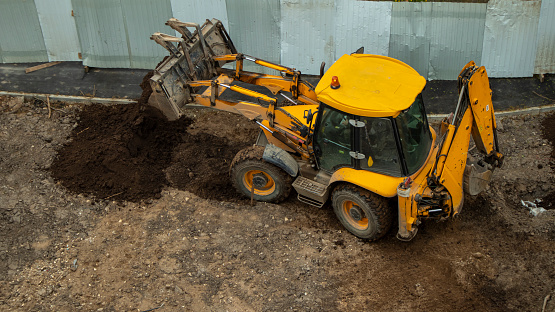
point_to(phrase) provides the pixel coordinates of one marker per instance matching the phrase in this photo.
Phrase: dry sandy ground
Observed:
(64, 251)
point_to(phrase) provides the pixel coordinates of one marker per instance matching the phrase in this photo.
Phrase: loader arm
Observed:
(193, 73)
(438, 191)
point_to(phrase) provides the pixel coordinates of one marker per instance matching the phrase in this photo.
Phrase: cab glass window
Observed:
(414, 135)
(333, 139)
(377, 143)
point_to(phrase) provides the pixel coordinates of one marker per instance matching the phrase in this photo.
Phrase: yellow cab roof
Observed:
(371, 85)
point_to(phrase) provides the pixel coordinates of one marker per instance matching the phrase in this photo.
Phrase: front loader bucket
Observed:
(190, 59)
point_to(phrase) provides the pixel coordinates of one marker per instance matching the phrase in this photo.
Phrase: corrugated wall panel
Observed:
(437, 39)
(362, 23)
(545, 55)
(510, 37)
(142, 19)
(199, 11)
(307, 34)
(59, 30)
(102, 33)
(456, 36)
(410, 34)
(116, 34)
(20, 36)
(254, 27)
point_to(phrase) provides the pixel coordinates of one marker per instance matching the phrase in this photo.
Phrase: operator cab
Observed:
(394, 146)
(371, 117)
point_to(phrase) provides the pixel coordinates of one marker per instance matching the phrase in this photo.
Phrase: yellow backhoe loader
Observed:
(360, 139)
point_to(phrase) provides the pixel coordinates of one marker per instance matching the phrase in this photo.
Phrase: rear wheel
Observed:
(248, 169)
(361, 212)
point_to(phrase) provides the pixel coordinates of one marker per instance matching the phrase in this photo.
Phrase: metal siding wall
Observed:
(142, 19)
(362, 23)
(116, 34)
(437, 39)
(255, 30)
(510, 37)
(307, 34)
(59, 30)
(545, 55)
(410, 34)
(102, 33)
(199, 11)
(456, 37)
(21, 36)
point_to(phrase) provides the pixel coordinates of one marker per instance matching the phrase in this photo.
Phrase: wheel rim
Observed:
(263, 183)
(354, 215)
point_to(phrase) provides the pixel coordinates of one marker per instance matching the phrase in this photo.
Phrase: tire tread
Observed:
(255, 154)
(377, 203)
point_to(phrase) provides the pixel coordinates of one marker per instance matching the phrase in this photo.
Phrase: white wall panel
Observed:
(199, 11)
(59, 30)
(20, 33)
(410, 34)
(545, 55)
(142, 19)
(307, 34)
(116, 33)
(362, 23)
(456, 37)
(254, 27)
(510, 37)
(102, 33)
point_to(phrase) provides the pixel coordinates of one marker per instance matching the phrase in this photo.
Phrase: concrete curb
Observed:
(69, 98)
(532, 110)
(90, 100)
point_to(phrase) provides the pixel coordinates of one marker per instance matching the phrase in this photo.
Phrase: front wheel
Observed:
(250, 173)
(364, 214)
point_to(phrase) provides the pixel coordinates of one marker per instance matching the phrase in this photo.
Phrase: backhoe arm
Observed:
(438, 192)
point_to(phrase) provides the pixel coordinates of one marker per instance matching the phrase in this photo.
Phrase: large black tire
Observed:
(271, 184)
(361, 212)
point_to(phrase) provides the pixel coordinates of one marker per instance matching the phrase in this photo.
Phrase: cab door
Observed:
(333, 139)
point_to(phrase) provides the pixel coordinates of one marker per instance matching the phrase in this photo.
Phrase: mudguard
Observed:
(280, 158)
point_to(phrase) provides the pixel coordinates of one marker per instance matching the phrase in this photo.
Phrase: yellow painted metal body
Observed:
(371, 85)
(407, 207)
(477, 120)
(381, 184)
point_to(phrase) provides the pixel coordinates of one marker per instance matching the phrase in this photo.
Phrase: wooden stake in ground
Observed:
(41, 66)
(113, 195)
(49, 109)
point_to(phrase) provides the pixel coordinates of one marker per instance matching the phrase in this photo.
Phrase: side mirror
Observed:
(322, 67)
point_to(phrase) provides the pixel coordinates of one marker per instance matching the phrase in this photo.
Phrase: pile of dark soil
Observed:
(147, 89)
(118, 152)
(201, 166)
(125, 152)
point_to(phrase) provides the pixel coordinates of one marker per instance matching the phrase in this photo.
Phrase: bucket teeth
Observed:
(180, 27)
(166, 41)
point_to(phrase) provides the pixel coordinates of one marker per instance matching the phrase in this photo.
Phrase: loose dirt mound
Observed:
(118, 152)
(201, 166)
(128, 152)
(147, 89)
